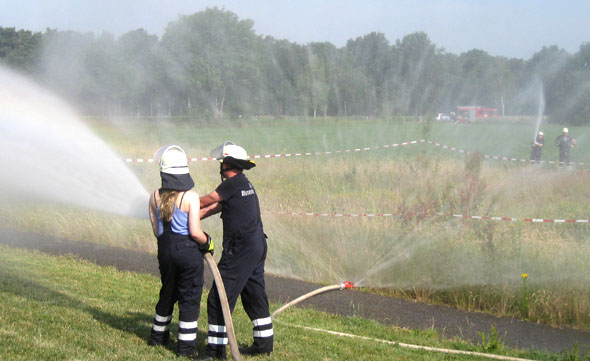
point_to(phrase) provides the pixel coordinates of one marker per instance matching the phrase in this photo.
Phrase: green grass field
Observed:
(61, 308)
(471, 264)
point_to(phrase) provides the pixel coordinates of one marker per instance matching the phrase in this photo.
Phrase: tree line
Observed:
(212, 64)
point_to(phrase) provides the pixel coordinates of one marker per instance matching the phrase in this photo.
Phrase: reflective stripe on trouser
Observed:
(161, 323)
(160, 333)
(187, 331)
(263, 334)
(217, 335)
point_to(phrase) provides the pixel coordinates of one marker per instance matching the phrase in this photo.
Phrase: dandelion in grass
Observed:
(524, 303)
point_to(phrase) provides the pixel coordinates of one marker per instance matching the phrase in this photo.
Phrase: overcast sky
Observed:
(512, 28)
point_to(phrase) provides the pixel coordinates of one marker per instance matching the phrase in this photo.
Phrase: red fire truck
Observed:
(472, 112)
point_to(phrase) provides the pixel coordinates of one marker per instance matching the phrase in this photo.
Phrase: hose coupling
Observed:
(346, 285)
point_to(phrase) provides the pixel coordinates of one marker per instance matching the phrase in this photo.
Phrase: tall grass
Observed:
(418, 253)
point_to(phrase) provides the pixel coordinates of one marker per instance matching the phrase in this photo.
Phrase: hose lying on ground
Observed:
(340, 286)
(347, 285)
(233, 343)
(410, 346)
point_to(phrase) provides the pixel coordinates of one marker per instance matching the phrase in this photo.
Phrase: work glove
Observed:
(207, 247)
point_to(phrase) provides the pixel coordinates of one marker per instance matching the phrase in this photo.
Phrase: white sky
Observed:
(512, 28)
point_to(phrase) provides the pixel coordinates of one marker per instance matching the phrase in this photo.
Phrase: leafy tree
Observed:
(20, 49)
(541, 78)
(419, 75)
(321, 70)
(212, 55)
(571, 90)
(481, 79)
(511, 75)
(213, 63)
(373, 55)
(283, 62)
(102, 64)
(63, 66)
(141, 72)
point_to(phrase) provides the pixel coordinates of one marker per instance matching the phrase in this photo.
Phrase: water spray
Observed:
(540, 110)
(341, 286)
(48, 153)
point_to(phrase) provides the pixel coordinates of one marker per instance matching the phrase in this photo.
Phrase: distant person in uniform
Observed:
(565, 144)
(244, 254)
(174, 214)
(537, 147)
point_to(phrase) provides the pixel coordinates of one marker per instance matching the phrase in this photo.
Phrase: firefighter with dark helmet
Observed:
(244, 253)
(174, 213)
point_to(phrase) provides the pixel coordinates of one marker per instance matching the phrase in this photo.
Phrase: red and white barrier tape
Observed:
(494, 157)
(284, 155)
(442, 146)
(485, 218)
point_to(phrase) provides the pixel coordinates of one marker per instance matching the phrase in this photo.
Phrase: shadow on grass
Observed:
(133, 323)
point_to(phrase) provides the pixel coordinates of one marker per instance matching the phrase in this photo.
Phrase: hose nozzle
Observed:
(346, 285)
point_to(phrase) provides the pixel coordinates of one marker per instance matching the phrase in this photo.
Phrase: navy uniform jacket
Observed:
(240, 210)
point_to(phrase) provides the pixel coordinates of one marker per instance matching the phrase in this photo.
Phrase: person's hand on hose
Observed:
(209, 246)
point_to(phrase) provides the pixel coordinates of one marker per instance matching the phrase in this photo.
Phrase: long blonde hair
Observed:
(168, 198)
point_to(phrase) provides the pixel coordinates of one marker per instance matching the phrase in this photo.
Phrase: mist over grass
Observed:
(419, 251)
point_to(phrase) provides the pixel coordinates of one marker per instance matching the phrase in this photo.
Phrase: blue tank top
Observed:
(178, 224)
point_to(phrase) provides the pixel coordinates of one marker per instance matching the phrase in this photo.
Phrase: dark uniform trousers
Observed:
(564, 157)
(564, 144)
(181, 271)
(242, 270)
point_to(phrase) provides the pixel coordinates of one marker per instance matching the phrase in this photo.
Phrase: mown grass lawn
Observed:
(62, 308)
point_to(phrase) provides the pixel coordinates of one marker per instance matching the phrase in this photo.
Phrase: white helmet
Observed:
(232, 154)
(541, 133)
(235, 151)
(172, 160)
(565, 130)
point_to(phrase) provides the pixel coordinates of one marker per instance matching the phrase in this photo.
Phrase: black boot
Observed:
(159, 338)
(207, 357)
(253, 351)
(191, 356)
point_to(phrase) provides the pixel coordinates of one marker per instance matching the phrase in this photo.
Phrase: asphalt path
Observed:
(386, 310)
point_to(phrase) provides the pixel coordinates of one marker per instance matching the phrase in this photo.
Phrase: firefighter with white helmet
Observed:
(538, 144)
(174, 214)
(565, 143)
(244, 253)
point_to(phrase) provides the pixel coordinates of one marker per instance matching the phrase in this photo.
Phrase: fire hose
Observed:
(347, 285)
(340, 286)
(233, 343)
